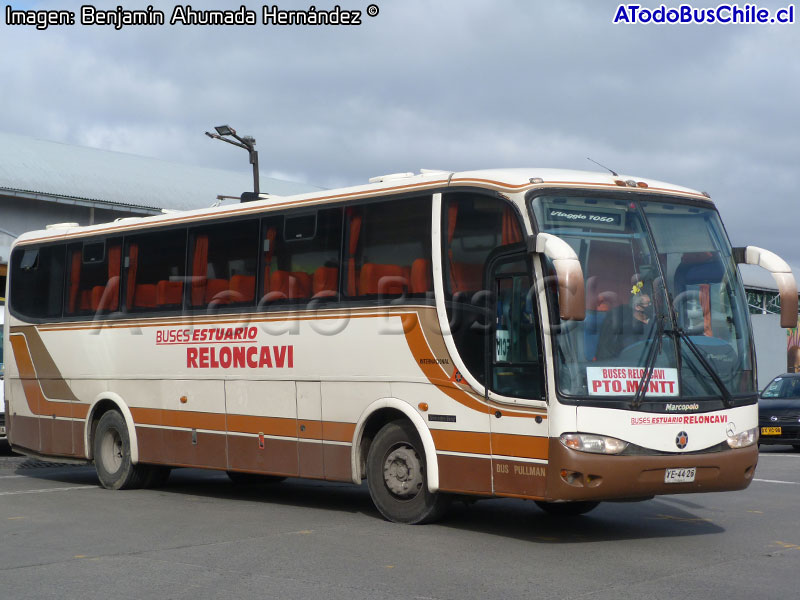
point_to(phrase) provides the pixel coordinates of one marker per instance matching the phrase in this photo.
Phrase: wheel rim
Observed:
(111, 450)
(402, 472)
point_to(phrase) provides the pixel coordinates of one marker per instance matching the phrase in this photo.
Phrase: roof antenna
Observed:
(605, 167)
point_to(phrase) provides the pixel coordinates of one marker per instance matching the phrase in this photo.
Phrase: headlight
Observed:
(743, 439)
(589, 442)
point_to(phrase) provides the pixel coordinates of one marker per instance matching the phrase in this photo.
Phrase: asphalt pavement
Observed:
(62, 536)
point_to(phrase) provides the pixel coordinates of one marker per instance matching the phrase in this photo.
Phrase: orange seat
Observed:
(421, 276)
(216, 291)
(302, 284)
(383, 279)
(145, 295)
(284, 284)
(169, 292)
(243, 288)
(105, 297)
(325, 282)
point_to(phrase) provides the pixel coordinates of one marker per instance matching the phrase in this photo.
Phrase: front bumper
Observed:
(605, 477)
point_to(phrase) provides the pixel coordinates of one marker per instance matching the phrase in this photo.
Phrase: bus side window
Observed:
(387, 249)
(37, 276)
(300, 254)
(93, 270)
(223, 262)
(473, 226)
(155, 271)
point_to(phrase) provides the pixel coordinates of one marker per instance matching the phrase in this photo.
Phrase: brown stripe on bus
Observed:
(465, 474)
(38, 404)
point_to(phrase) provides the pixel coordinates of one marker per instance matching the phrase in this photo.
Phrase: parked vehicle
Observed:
(779, 411)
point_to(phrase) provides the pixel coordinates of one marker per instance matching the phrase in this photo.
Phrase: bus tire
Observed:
(566, 509)
(240, 478)
(112, 454)
(396, 476)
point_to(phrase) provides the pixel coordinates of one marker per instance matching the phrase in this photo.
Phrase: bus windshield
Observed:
(651, 268)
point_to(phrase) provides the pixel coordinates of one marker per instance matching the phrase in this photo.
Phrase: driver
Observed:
(626, 325)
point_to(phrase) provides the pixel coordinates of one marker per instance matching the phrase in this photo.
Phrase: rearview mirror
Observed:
(781, 273)
(571, 293)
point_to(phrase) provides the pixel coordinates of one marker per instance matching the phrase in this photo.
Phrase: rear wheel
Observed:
(796, 446)
(112, 455)
(566, 509)
(396, 476)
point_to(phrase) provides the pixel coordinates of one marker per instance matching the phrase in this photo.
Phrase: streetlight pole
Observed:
(248, 143)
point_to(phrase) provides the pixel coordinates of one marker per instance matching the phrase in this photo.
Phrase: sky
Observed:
(452, 85)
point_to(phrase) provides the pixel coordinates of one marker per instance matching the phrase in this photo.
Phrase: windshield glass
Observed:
(646, 262)
(708, 301)
(783, 387)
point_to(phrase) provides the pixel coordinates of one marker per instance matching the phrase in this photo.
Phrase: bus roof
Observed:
(502, 180)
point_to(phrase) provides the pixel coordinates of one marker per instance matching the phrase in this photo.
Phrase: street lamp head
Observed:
(248, 142)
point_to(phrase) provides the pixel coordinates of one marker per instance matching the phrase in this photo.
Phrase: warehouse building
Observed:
(43, 182)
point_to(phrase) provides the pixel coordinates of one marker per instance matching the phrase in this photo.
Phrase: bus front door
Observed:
(515, 380)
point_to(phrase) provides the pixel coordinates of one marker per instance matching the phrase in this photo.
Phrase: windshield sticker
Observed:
(502, 345)
(624, 381)
(607, 218)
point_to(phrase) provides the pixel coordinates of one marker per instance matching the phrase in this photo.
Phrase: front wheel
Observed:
(396, 476)
(112, 455)
(566, 509)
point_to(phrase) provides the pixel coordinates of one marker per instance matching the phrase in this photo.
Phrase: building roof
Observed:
(754, 277)
(75, 174)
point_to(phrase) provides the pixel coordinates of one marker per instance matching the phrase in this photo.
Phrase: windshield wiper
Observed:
(727, 399)
(650, 363)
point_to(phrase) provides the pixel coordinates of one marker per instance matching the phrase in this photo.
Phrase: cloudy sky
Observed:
(452, 85)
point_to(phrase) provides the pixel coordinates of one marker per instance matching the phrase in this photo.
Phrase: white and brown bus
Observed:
(563, 336)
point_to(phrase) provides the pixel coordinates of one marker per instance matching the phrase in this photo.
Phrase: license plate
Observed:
(680, 475)
(770, 431)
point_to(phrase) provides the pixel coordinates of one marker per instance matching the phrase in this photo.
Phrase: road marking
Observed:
(42, 491)
(777, 481)
(11, 476)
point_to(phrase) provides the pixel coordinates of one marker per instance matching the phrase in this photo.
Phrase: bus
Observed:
(562, 336)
